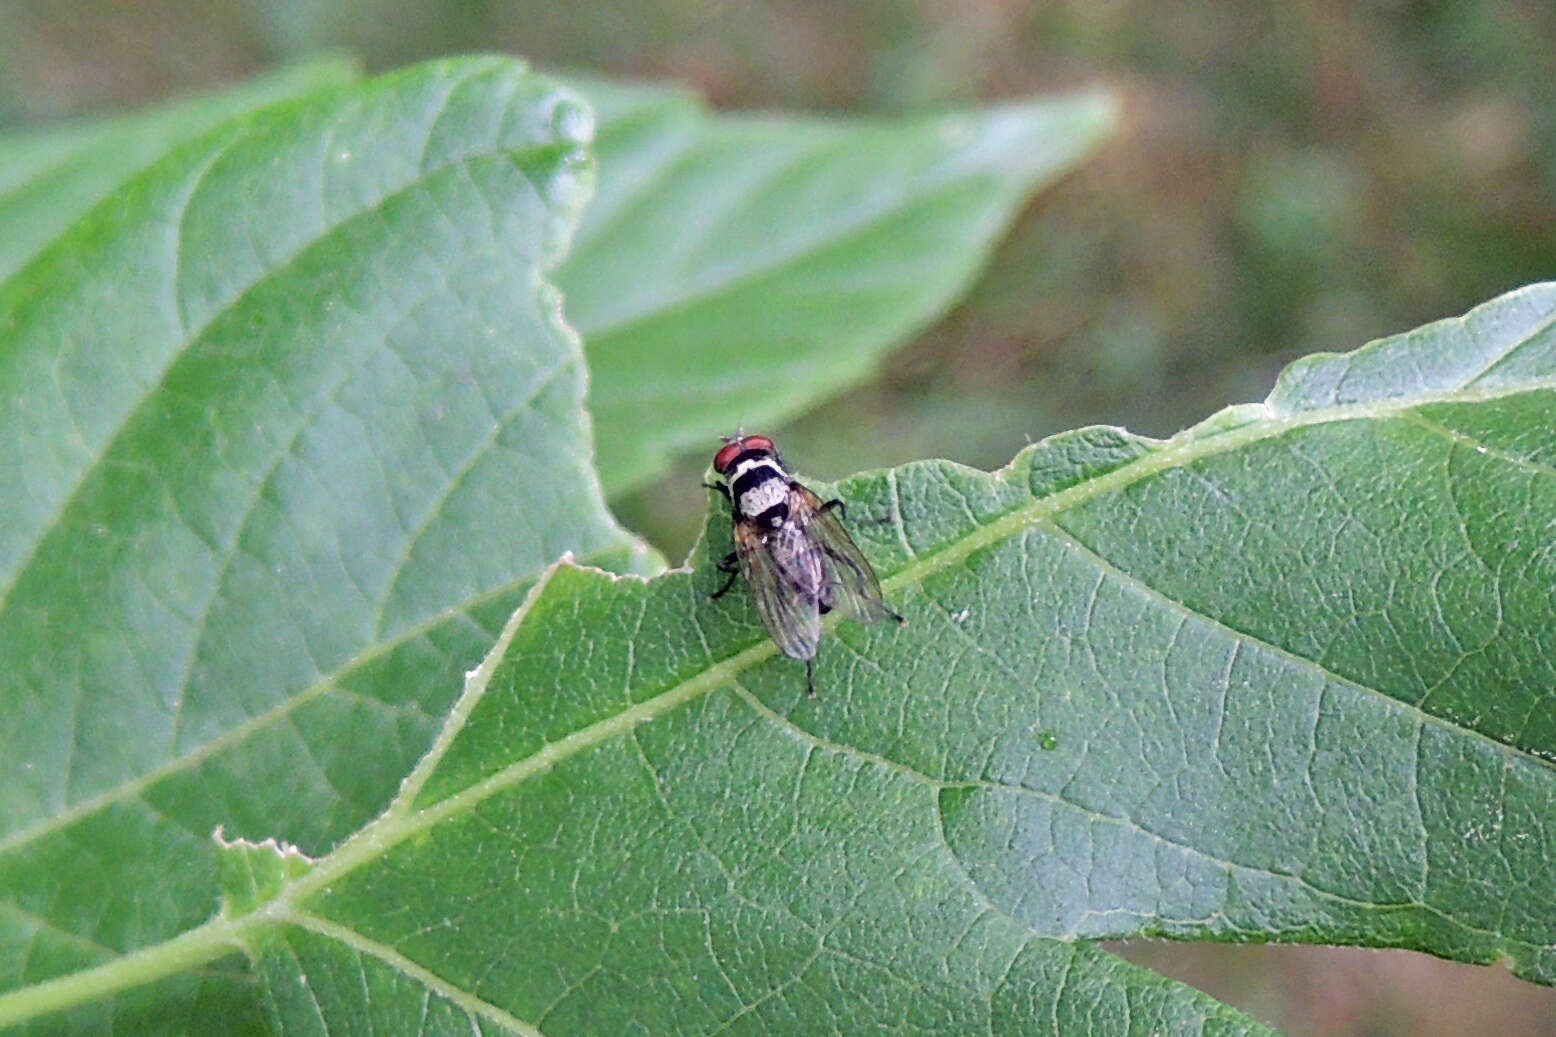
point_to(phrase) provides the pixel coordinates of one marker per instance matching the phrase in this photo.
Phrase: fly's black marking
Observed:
(793, 550)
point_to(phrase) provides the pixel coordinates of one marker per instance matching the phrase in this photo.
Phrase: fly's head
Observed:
(742, 448)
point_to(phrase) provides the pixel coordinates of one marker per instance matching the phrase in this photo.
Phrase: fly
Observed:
(793, 551)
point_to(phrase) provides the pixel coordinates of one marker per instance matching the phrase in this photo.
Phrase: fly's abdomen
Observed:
(802, 565)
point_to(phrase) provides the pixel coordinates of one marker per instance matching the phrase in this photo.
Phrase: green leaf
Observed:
(738, 269)
(48, 179)
(292, 424)
(1286, 676)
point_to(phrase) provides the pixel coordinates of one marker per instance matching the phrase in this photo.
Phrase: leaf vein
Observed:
(39, 924)
(259, 722)
(1106, 567)
(472, 1005)
(456, 478)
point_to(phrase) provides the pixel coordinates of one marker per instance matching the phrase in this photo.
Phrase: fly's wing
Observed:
(785, 575)
(853, 587)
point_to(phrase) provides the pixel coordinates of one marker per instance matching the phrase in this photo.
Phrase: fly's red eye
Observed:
(733, 449)
(726, 456)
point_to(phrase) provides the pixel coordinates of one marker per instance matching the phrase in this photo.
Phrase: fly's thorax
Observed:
(760, 488)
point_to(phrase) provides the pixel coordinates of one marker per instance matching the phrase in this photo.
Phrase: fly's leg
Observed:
(727, 565)
(810, 677)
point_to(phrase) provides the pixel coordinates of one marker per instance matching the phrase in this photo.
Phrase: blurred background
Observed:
(1289, 177)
